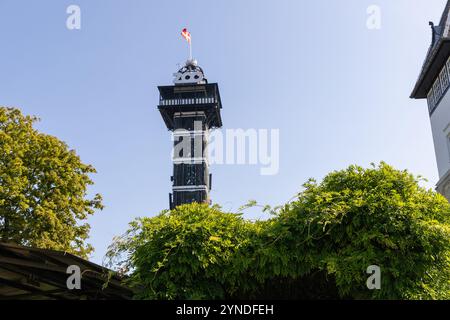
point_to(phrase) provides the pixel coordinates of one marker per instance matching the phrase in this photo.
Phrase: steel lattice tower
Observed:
(190, 109)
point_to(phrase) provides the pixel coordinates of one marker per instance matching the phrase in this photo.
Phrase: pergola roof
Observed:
(40, 274)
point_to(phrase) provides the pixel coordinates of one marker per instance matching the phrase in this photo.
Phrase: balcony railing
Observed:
(187, 101)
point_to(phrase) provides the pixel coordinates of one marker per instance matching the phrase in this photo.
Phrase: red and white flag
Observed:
(186, 34)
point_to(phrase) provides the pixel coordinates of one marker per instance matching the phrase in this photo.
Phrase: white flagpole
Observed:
(190, 49)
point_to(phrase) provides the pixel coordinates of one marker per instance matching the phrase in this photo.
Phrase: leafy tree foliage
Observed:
(317, 246)
(43, 188)
(360, 217)
(188, 253)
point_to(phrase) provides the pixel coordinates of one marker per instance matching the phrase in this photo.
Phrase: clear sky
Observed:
(337, 91)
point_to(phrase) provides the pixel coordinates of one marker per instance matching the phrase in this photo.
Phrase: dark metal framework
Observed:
(191, 98)
(190, 111)
(40, 274)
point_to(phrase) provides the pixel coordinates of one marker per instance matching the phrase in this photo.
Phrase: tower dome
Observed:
(191, 73)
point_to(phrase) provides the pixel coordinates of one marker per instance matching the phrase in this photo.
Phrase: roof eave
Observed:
(440, 50)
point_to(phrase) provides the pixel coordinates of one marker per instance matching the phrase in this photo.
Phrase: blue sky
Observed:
(337, 91)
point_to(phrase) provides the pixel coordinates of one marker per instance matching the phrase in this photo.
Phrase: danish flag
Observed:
(186, 34)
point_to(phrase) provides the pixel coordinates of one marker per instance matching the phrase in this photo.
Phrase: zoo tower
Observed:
(190, 109)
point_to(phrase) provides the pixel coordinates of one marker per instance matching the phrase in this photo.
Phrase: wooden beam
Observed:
(30, 289)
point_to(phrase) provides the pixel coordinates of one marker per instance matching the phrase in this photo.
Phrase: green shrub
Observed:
(361, 217)
(318, 246)
(188, 253)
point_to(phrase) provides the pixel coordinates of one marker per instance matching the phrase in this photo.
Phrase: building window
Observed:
(448, 67)
(437, 91)
(430, 99)
(444, 79)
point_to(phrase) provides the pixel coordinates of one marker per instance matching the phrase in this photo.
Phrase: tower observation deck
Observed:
(190, 109)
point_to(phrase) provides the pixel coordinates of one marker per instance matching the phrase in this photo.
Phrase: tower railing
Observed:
(187, 101)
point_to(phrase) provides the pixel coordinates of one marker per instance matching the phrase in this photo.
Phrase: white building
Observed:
(433, 84)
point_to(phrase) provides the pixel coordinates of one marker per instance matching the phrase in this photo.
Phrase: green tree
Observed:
(43, 188)
(188, 253)
(360, 217)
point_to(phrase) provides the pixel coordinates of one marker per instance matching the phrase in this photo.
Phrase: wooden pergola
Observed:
(40, 274)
